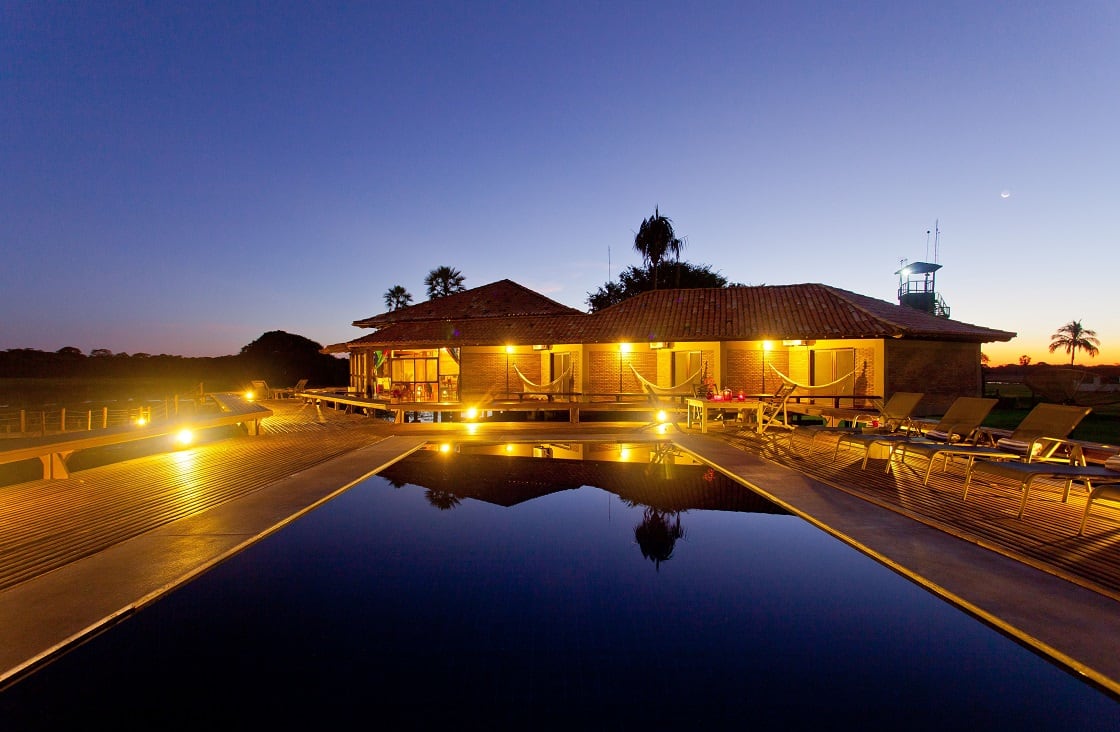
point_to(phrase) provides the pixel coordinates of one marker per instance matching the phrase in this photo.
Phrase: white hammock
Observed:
(810, 387)
(551, 387)
(684, 388)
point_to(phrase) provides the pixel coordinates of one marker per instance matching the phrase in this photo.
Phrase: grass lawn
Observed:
(62, 392)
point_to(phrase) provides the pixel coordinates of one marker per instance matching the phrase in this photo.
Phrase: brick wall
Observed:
(484, 374)
(941, 371)
(603, 371)
(745, 369)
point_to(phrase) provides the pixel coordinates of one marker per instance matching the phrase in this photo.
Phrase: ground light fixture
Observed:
(184, 437)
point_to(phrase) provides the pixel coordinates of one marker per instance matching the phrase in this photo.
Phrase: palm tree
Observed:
(397, 297)
(1073, 338)
(444, 281)
(656, 239)
(656, 536)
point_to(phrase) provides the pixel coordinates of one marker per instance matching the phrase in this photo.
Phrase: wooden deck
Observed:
(1045, 538)
(131, 492)
(48, 523)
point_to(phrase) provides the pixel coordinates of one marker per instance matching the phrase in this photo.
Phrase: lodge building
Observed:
(503, 341)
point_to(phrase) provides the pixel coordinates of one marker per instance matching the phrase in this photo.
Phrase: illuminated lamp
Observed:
(184, 437)
(542, 348)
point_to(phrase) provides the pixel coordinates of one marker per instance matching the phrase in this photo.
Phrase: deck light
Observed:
(445, 447)
(140, 421)
(470, 413)
(184, 437)
(249, 396)
(662, 416)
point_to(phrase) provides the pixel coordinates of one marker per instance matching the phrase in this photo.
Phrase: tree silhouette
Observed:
(397, 297)
(636, 280)
(657, 535)
(443, 281)
(655, 240)
(1073, 337)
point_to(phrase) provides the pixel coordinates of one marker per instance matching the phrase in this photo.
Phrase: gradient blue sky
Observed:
(180, 177)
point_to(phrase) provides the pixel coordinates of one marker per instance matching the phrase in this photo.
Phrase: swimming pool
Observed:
(595, 585)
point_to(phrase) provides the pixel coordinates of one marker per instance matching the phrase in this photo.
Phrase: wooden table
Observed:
(698, 409)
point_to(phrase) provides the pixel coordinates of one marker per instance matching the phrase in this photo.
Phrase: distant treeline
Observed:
(277, 357)
(1018, 372)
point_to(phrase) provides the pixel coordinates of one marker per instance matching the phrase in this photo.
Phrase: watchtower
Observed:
(917, 288)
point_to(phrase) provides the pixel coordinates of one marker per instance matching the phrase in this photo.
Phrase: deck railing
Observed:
(86, 418)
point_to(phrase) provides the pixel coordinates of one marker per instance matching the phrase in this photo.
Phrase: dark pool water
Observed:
(475, 592)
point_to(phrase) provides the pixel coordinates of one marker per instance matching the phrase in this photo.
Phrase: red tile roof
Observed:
(507, 313)
(806, 311)
(501, 299)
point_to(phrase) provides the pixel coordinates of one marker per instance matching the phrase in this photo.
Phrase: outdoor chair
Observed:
(289, 392)
(1102, 482)
(959, 425)
(1040, 437)
(772, 412)
(886, 418)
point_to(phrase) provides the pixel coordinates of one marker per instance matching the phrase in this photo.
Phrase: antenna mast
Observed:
(936, 239)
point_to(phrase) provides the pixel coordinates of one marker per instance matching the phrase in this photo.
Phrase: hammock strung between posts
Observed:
(685, 388)
(551, 387)
(811, 387)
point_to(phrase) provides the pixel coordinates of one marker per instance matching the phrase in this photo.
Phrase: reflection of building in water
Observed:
(507, 475)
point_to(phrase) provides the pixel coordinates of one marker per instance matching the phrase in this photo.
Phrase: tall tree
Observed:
(1073, 337)
(444, 281)
(397, 297)
(655, 240)
(636, 280)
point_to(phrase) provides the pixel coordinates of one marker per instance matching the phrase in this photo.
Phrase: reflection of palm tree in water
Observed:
(657, 534)
(443, 500)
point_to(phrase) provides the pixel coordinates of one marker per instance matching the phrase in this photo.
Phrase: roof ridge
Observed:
(847, 296)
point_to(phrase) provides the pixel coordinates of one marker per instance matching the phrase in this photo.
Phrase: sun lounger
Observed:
(291, 391)
(888, 418)
(960, 424)
(1102, 482)
(1040, 437)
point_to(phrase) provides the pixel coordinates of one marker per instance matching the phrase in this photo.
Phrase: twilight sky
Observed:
(180, 177)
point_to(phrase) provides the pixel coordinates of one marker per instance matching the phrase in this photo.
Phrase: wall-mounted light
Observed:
(658, 345)
(542, 348)
(793, 343)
